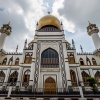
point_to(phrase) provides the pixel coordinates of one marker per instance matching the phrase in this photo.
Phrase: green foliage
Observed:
(92, 81)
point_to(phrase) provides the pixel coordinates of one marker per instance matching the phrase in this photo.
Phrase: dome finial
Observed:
(49, 12)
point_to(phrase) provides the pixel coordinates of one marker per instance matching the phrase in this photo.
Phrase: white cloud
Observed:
(68, 25)
(23, 15)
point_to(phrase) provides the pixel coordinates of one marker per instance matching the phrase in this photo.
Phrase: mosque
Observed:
(49, 62)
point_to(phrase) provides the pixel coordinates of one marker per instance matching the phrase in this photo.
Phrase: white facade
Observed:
(69, 61)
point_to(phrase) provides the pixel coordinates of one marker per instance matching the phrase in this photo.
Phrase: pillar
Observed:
(19, 76)
(67, 70)
(21, 70)
(33, 65)
(7, 76)
(80, 79)
(91, 72)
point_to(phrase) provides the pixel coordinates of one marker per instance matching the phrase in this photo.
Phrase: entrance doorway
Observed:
(50, 86)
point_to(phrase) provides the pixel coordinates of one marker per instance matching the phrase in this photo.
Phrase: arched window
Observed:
(10, 61)
(13, 77)
(17, 61)
(71, 58)
(88, 61)
(81, 61)
(73, 77)
(85, 76)
(2, 76)
(97, 76)
(49, 58)
(28, 58)
(94, 61)
(4, 61)
(26, 77)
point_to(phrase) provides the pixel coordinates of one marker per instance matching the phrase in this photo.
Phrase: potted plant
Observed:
(92, 81)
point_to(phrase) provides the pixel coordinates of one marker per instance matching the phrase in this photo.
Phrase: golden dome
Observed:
(49, 20)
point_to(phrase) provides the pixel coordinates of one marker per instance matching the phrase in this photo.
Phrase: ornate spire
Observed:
(73, 44)
(17, 48)
(81, 48)
(25, 44)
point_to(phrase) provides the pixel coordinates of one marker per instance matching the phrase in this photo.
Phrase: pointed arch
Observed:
(50, 86)
(81, 61)
(49, 58)
(28, 58)
(26, 77)
(97, 76)
(85, 76)
(88, 61)
(71, 58)
(4, 61)
(73, 77)
(13, 77)
(94, 61)
(2, 76)
(10, 61)
(17, 61)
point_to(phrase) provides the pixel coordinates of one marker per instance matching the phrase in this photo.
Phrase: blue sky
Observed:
(74, 14)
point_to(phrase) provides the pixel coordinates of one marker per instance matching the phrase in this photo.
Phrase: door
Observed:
(50, 86)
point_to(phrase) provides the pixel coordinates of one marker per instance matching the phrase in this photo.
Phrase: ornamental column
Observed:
(80, 79)
(19, 76)
(67, 70)
(21, 70)
(91, 72)
(33, 65)
(7, 76)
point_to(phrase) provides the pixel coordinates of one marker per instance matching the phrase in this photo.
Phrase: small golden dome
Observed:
(49, 20)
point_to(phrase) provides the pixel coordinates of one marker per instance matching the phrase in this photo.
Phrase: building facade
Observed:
(49, 62)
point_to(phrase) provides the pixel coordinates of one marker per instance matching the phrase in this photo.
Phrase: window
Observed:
(4, 61)
(97, 76)
(73, 77)
(81, 61)
(71, 59)
(85, 76)
(13, 77)
(49, 58)
(26, 76)
(17, 61)
(94, 61)
(2, 76)
(28, 58)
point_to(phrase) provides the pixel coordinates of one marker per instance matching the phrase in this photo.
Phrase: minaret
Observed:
(73, 44)
(5, 31)
(93, 30)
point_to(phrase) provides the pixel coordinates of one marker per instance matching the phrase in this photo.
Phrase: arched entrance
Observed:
(50, 86)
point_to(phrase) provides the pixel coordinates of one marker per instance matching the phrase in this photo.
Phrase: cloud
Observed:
(68, 25)
(75, 16)
(23, 16)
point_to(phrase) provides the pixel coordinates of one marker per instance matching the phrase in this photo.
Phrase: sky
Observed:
(74, 14)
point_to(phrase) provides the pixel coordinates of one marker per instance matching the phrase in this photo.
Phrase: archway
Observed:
(50, 86)
(49, 58)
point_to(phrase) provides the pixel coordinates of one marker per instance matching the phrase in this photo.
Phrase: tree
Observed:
(92, 81)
